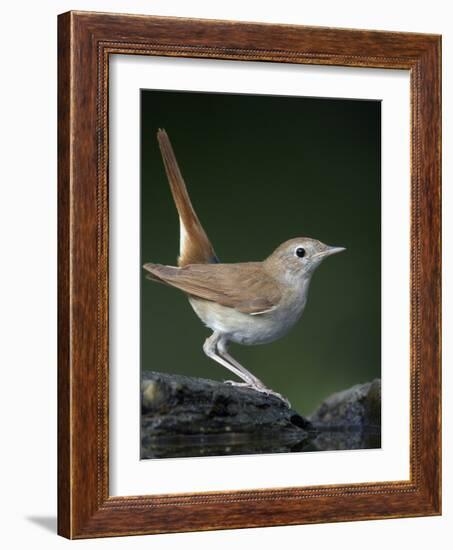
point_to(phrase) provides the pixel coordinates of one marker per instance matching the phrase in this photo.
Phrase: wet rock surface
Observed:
(184, 416)
(350, 419)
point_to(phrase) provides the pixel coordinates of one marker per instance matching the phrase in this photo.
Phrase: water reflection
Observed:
(242, 444)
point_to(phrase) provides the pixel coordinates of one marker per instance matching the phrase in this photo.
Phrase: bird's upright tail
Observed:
(194, 246)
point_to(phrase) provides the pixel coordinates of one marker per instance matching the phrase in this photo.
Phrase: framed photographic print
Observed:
(249, 275)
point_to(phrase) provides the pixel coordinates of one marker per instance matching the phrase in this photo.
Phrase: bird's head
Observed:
(298, 258)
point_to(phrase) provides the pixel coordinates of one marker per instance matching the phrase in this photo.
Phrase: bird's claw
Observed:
(266, 391)
(240, 384)
(278, 395)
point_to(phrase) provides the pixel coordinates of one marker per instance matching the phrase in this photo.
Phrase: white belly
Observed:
(247, 329)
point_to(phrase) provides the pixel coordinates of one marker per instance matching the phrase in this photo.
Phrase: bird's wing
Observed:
(194, 245)
(245, 287)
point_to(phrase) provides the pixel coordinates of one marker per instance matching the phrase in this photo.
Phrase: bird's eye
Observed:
(300, 252)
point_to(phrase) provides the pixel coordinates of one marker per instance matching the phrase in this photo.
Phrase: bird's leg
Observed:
(251, 380)
(210, 347)
(215, 348)
(246, 375)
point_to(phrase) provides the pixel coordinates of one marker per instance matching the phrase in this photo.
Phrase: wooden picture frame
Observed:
(85, 42)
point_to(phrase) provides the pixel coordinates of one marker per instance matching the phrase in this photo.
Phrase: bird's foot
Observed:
(260, 389)
(240, 384)
(267, 391)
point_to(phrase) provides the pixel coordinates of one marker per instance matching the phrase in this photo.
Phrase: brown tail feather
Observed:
(194, 247)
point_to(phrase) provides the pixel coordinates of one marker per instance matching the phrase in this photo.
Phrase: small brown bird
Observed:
(247, 303)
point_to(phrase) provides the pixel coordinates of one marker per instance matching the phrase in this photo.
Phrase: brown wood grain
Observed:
(85, 41)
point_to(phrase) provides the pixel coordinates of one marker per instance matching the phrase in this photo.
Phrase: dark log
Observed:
(184, 416)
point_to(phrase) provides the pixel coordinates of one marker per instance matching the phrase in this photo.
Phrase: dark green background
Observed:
(261, 170)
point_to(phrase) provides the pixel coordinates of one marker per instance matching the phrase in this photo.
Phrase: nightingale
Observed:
(247, 303)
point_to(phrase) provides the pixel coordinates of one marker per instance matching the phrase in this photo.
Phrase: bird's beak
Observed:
(330, 251)
(334, 250)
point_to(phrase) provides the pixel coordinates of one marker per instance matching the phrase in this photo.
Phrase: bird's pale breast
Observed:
(247, 329)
